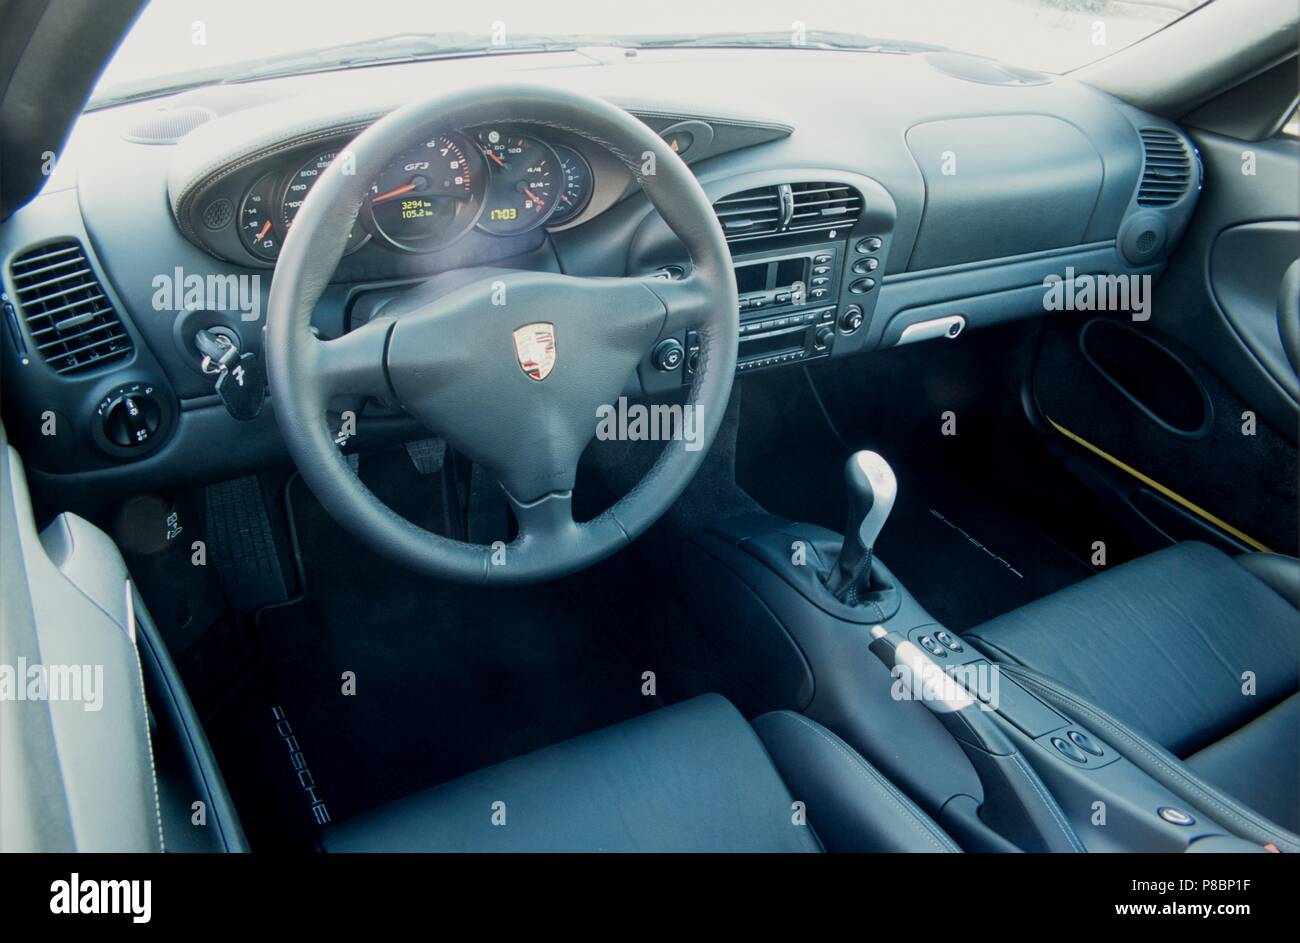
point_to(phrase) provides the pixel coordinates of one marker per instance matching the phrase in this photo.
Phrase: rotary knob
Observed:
(668, 355)
(851, 319)
(131, 420)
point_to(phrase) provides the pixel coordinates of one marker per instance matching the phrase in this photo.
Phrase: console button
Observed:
(1084, 743)
(930, 645)
(1175, 816)
(868, 244)
(782, 297)
(820, 280)
(821, 269)
(1069, 750)
(824, 259)
(952, 644)
(863, 266)
(818, 292)
(862, 286)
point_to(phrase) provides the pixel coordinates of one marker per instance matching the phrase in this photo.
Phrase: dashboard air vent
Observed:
(823, 206)
(750, 213)
(69, 317)
(1166, 168)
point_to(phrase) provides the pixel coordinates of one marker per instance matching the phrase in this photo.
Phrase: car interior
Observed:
(653, 439)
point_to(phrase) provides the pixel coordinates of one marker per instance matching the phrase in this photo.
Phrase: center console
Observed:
(812, 621)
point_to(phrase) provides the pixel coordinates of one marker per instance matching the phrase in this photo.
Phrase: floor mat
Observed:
(447, 679)
(963, 557)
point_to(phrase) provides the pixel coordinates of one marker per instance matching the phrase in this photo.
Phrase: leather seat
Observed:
(1190, 661)
(692, 777)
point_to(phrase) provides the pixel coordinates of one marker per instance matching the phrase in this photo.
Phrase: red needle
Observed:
(499, 161)
(533, 196)
(396, 191)
(265, 229)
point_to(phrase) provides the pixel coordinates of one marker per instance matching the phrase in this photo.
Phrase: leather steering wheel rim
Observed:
(613, 321)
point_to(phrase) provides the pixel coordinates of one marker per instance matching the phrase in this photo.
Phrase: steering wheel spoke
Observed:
(689, 302)
(547, 519)
(354, 363)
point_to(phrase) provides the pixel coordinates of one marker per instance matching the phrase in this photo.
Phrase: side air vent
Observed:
(750, 213)
(1166, 168)
(70, 319)
(823, 206)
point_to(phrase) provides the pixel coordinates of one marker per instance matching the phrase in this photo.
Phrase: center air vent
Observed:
(750, 213)
(1166, 168)
(788, 208)
(69, 317)
(823, 206)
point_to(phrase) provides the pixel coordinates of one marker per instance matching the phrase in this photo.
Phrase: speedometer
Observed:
(525, 181)
(430, 195)
(300, 184)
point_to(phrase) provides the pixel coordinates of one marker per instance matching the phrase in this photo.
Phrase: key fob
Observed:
(242, 386)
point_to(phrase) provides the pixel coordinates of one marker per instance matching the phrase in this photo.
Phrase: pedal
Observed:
(427, 455)
(241, 546)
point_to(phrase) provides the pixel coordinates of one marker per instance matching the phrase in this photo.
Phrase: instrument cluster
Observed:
(500, 179)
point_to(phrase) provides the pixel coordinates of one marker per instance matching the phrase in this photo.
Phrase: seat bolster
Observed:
(1261, 760)
(850, 804)
(1275, 570)
(1157, 762)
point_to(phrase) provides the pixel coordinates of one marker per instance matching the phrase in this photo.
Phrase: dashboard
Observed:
(830, 173)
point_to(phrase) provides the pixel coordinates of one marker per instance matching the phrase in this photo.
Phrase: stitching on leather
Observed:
(941, 841)
(1035, 782)
(1207, 793)
(213, 175)
(1052, 806)
(148, 742)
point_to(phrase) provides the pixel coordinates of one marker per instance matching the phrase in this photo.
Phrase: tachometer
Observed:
(430, 195)
(303, 179)
(525, 179)
(577, 185)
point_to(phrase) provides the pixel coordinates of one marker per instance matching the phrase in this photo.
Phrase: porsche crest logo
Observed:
(535, 348)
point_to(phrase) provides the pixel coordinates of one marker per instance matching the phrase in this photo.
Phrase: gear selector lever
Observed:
(871, 492)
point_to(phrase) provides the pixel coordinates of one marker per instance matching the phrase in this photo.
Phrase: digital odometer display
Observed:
(429, 195)
(524, 178)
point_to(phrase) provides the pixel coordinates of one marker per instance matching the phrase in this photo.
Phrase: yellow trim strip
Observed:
(1195, 509)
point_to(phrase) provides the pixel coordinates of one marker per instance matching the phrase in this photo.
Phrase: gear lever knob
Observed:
(872, 488)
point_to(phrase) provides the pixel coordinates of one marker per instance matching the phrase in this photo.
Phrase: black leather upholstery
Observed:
(692, 777)
(1165, 648)
(856, 808)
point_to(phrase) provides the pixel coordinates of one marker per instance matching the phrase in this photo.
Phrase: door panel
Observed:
(1247, 263)
(1153, 428)
(1219, 294)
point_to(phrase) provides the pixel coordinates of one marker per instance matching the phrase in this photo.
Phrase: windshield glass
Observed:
(187, 42)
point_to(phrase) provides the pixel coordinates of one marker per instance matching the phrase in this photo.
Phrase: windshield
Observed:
(176, 43)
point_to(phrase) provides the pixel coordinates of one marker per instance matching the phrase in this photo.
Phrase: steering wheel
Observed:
(452, 351)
